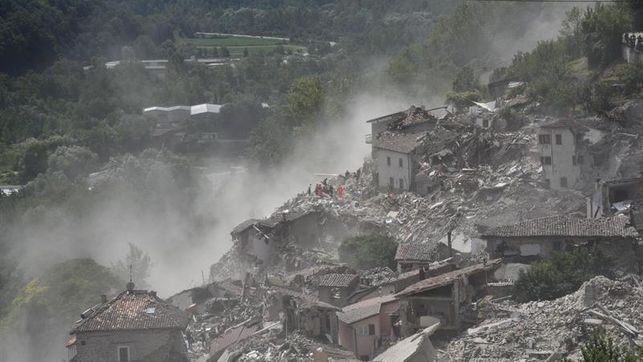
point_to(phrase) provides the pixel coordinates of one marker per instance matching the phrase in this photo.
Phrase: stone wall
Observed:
(103, 346)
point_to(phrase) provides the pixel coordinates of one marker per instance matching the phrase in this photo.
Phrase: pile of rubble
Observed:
(554, 329)
(294, 347)
(504, 194)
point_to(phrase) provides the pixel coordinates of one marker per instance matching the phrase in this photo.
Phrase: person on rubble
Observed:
(632, 42)
(309, 185)
(639, 42)
(330, 190)
(347, 174)
(318, 190)
(340, 192)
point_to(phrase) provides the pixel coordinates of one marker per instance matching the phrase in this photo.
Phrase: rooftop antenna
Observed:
(130, 285)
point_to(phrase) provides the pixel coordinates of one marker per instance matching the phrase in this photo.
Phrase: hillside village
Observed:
(474, 198)
(245, 181)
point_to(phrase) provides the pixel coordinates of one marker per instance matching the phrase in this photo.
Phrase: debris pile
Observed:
(295, 347)
(554, 329)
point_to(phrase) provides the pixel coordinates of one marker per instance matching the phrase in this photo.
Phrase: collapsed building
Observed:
(472, 192)
(441, 297)
(395, 139)
(614, 196)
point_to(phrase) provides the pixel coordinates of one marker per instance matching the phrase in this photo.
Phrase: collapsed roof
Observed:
(336, 280)
(420, 251)
(364, 309)
(448, 278)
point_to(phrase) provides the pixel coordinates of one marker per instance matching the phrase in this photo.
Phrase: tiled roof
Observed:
(403, 142)
(563, 123)
(336, 280)
(448, 278)
(616, 226)
(136, 309)
(419, 251)
(364, 309)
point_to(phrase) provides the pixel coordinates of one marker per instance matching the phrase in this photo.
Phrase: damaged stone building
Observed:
(562, 154)
(336, 288)
(136, 325)
(365, 326)
(538, 238)
(307, 229)
(395, 139)
(614, 196)
(441, 297)
(411, 256)
(303, 312)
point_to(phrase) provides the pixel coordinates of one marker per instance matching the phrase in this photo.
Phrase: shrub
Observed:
(562, 274)
(364, 252)
(602, 349)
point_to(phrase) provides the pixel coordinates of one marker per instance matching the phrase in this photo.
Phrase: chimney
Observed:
(103, 298)
(130, 286)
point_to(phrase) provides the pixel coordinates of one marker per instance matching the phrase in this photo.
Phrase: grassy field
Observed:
(236, 45)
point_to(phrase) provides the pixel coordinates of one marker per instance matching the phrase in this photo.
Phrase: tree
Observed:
(53, 301)
(364, 252)
(73, 161)
(465, 80)
(560, 275)
(305, 99)
(140, 264)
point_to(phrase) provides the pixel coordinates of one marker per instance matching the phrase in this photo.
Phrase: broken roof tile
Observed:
(336, 280)
(448, 278)
(420, 251)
